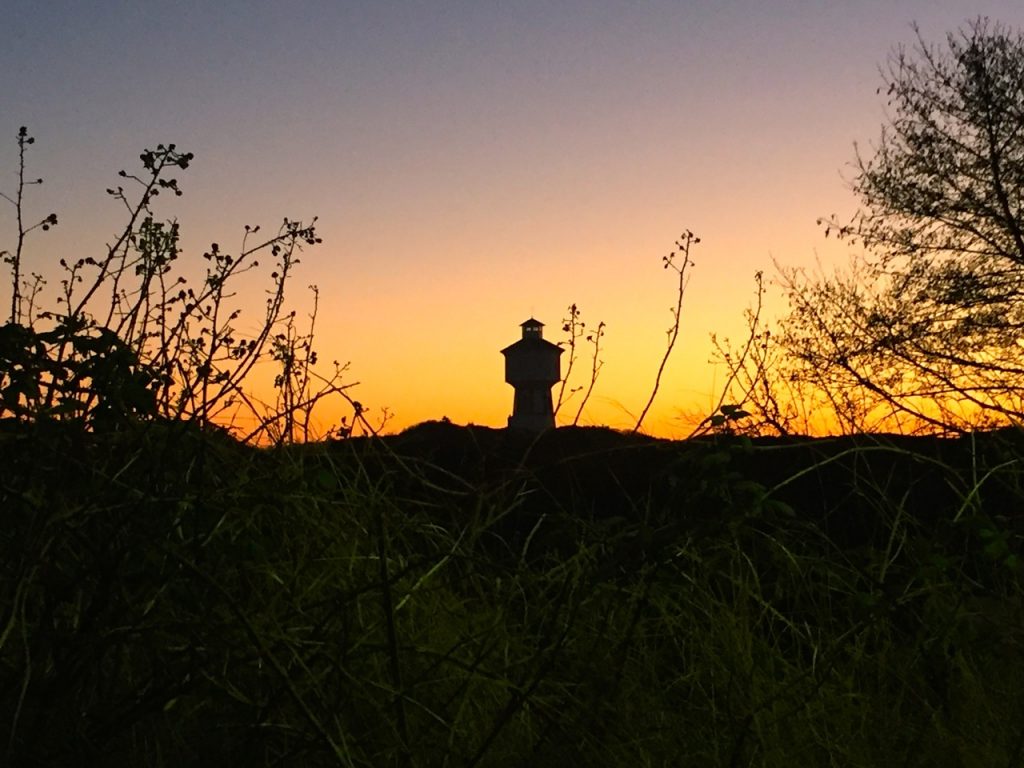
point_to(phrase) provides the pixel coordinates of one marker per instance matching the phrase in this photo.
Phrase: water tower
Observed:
(532, 367)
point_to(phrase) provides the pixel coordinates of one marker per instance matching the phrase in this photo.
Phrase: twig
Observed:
(683, 244)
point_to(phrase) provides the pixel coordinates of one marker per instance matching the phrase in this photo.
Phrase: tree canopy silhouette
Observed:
(927, 327)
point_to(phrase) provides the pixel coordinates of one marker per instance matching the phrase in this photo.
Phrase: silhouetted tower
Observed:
(532, 368)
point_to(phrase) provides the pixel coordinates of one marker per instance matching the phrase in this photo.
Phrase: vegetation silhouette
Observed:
(173, 592)
(575, 329)
(131, 340)
(923, 330)
(483, 596)
(678, 261)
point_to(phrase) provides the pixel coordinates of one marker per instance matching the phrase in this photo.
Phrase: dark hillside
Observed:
(836, 482)
(471, 596)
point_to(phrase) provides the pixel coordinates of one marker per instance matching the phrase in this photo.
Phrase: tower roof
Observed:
(532, 345)
(532, 341)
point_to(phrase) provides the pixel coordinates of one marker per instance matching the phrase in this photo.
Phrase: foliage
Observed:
(129, 339)
(755, 399)
(179, 599)
(171, 596)
(925, 329)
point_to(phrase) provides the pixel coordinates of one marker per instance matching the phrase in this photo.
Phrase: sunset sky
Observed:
(472, 164)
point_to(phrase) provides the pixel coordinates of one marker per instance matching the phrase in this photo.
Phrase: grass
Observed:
(169, 598)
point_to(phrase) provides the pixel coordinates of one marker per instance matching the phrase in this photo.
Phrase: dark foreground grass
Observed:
(169, 598)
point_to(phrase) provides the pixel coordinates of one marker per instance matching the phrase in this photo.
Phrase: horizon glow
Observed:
(472, 166)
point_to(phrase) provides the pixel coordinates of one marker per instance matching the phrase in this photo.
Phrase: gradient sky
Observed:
(472, 163)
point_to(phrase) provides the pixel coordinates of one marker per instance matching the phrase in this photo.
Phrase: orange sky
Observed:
(473, 164)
